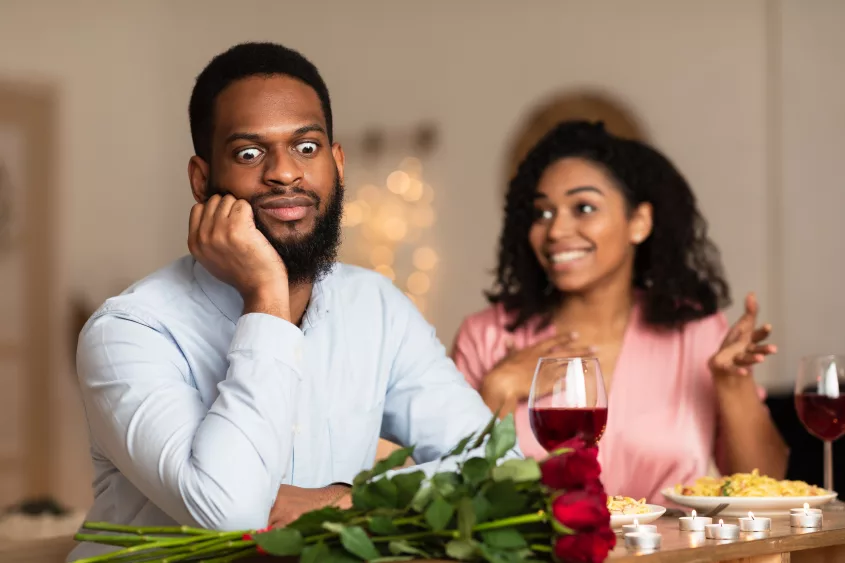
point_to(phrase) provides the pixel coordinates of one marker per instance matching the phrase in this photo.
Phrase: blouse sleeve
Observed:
(467, 354)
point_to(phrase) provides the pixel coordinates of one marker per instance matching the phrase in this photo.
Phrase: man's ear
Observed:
(198, 176)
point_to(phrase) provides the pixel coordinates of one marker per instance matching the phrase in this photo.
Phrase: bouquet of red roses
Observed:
(492, 509)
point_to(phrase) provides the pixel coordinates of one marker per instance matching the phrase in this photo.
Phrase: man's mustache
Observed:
(258, 199)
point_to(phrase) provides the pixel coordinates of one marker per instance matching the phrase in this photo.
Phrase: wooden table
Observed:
(782, 545)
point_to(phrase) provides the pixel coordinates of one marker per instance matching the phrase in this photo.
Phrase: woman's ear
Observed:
(641, 223)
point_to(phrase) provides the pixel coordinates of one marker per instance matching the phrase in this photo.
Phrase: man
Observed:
(257, 373)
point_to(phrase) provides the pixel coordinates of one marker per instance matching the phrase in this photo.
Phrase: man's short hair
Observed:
(243, 61)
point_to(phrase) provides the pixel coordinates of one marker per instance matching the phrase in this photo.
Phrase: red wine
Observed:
(554, 426)
(823, 416)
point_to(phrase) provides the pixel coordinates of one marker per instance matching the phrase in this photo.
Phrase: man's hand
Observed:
(293, 502)
(222, 236)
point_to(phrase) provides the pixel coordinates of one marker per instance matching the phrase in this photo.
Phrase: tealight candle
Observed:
(721, 531)
(806, 509)
(752, 524)
(806, 518)
(637, 527)
(694, 523)
(643, 541)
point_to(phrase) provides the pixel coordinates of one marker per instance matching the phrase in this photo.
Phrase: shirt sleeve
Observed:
(428, 404)
(217, 467)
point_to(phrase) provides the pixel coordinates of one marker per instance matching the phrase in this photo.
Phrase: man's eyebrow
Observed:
(244, 136)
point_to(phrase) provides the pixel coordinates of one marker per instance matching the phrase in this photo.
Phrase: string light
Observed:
(353, 214)
(381, 255)
(386, 271)
(425, 258)
(422, 217)
(418, 283)
(387, 225)
(399, 182)
(395, 228)
(413, 191)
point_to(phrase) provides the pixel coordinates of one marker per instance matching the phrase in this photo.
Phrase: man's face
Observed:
(270, 147)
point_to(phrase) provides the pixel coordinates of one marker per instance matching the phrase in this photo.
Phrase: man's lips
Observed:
(288, 208)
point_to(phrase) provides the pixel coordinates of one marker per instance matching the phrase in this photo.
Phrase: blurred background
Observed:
(433, 101)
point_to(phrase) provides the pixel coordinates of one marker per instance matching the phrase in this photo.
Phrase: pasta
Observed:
(748, 485)
(626, 505)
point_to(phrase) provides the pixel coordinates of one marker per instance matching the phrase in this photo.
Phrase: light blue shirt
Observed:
(197, 413)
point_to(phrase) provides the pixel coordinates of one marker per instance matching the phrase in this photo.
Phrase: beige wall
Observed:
(697, 72)
(812, 205)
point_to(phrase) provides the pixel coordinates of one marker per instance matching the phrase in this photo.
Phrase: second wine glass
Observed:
(567, 400)
(820, 402)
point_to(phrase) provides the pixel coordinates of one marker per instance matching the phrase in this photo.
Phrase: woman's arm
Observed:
(747, 436)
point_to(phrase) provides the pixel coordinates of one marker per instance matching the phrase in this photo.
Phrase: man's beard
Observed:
(307, 257)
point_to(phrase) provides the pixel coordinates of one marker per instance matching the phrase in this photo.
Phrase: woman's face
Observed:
(583, 233)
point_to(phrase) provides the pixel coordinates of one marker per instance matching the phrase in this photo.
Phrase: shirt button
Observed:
(296, 429)
(297, 354)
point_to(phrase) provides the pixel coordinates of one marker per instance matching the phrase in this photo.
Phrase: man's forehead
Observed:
(275, 102)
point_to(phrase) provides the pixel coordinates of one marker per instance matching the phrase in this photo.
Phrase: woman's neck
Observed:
(603, 309)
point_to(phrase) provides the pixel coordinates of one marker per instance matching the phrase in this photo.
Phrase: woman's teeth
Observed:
(568, 256)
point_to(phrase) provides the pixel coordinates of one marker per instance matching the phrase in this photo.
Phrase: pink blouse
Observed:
(662, 410)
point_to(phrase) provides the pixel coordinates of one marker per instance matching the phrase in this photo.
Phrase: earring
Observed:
(550, 288)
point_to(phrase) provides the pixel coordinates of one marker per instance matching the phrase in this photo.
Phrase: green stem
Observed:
(539, 516)
(408, 520)
(155, 545)
(218, 549)
(140, 531)
(116, 539)
(320, 537)
(540, 548)
(417, 535)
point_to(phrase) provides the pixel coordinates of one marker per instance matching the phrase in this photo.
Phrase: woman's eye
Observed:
(248, 155)
(543, 214)
(586, 208)
(307, 148)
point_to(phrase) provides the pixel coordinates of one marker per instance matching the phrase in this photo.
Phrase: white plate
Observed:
(739, 506)
(654, 512)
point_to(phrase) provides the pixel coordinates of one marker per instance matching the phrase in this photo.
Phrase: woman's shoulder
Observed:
(493, 317)
(713, 326)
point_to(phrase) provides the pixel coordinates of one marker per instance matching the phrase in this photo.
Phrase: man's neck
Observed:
(300, 295)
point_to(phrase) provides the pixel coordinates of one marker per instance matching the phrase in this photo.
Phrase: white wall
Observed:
(695, 71)
(812, 206)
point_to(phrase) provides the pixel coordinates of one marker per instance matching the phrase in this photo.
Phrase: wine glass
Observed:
(567, 400)
(820, 405)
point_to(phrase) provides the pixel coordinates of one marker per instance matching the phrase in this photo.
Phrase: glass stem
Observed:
(828, 465)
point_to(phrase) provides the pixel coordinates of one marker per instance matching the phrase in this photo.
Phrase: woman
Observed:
(605, 253)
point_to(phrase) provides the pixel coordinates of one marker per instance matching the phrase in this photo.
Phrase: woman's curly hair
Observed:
(677, 267)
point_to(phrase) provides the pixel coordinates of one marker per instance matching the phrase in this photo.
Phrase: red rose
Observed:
(581, 511)
(590, 547)
(571, 470)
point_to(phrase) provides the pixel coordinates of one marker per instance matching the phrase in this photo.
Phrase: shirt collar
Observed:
(229, 302)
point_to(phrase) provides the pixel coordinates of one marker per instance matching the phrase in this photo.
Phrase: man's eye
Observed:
(307, 148)
(248, 155)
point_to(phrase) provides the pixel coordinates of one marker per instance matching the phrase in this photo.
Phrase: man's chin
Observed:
(288, 232)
